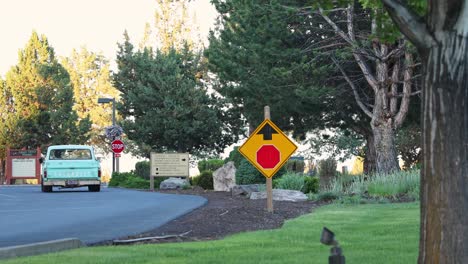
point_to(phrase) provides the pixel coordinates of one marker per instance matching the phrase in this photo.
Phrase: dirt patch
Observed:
(223, 215)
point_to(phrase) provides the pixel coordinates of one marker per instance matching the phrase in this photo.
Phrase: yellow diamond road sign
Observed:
(268, 148)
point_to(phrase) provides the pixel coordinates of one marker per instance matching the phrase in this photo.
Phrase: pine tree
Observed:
(164, 105)
(39, 99)
(258, 61)
(90, 76)
(172, 27)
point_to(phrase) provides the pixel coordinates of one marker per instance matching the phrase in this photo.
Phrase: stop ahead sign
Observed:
(268, 148)
(117, 146)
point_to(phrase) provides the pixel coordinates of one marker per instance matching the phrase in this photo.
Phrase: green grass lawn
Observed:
(377, 233)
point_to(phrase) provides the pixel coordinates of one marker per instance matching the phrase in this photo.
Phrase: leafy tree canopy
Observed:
(90, 76)
(165, 106)
(38, 101)
(258, 61)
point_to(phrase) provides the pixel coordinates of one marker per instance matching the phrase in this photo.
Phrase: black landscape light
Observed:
(336, 254)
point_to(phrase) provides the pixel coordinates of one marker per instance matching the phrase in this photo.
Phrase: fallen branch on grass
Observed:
(128, 241)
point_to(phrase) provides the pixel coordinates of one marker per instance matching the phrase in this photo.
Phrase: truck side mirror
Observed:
(41, 160)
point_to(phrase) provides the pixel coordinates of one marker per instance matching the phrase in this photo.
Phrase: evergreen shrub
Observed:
(311, 184)
(128, 180)
(135, 182)
(142, 169)
(118, 179)
(246, 173)
(204, 180)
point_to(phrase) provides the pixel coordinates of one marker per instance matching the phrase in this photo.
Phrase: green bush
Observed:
(204, 180)
(128, 180)
(142, 169)
(211, 164)
(235, 156)
(311, 184)
(291, 181)
(118, 179)
(295, 166)
(246, 173)
(135, 182)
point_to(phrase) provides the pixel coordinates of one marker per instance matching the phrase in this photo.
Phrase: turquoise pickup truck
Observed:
(70, 166)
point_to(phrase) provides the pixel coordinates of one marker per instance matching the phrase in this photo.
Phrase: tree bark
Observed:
(369, 165)
(443, 43)
(444, 181)
(385, 150)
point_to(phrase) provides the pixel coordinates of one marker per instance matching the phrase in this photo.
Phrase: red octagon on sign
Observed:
(117, 146)
(268, 156)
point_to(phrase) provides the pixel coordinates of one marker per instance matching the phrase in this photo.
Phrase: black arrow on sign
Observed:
(267, 131)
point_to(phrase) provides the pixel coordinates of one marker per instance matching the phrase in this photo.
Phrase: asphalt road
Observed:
(27, 215)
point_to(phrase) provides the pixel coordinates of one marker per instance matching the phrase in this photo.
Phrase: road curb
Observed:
(40, 248)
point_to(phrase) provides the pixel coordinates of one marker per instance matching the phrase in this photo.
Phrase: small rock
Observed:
(246, 189)
(281, 195)
(173, 183)
(224, 178)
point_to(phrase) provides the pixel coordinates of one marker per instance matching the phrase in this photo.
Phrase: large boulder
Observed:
(173, 183)
(281, 195)
(224, 178)
(247, 189)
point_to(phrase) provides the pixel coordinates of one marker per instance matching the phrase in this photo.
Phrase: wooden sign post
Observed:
(268, 148)
(269, 180)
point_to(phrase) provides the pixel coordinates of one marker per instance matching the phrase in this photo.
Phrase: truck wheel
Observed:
(45, 188)
(94, 188)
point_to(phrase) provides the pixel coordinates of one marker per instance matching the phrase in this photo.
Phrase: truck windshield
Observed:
(70, 154)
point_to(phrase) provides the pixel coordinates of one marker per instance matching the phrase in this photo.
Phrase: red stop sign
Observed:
(117, 146)
(268, 156)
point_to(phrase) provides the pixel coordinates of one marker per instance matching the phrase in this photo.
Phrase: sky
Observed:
(70, 24)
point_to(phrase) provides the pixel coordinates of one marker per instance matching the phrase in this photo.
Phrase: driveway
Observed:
(27, 215)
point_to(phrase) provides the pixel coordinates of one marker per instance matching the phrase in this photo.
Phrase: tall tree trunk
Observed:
(444, 196)
(385, 150)
(370, 156)
(382, 124)
(443, 43)
(387, 112)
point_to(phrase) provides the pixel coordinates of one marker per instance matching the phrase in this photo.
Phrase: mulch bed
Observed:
(223, 215)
